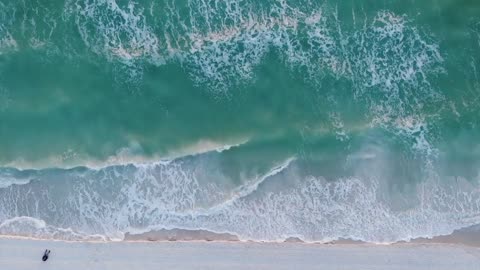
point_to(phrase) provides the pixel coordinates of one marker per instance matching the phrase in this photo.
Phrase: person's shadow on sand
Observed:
(45, 255)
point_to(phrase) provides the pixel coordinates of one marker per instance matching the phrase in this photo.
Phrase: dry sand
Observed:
(16, 254)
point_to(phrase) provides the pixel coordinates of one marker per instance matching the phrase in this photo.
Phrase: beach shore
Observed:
(17, 254)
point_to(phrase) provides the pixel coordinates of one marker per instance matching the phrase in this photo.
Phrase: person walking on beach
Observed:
(45, 255)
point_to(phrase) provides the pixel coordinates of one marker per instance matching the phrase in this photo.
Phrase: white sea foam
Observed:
(220, 43)
(6, 181)
(115, 32)
(390, 63)
(122, 199)
(132, 154)
(338, 127)
(416, 128)
(205, 146)
(7, 42)
(37, 228)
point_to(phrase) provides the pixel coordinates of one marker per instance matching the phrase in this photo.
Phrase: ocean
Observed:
(264, 119)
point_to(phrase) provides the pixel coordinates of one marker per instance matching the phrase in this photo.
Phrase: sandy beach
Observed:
(17, 254)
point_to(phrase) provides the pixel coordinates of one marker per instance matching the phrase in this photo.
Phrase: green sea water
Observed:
(314, 119)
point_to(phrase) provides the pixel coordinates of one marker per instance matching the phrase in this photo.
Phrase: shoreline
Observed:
(469, 236)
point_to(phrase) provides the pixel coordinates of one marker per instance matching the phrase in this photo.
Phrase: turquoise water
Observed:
(264, 119)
